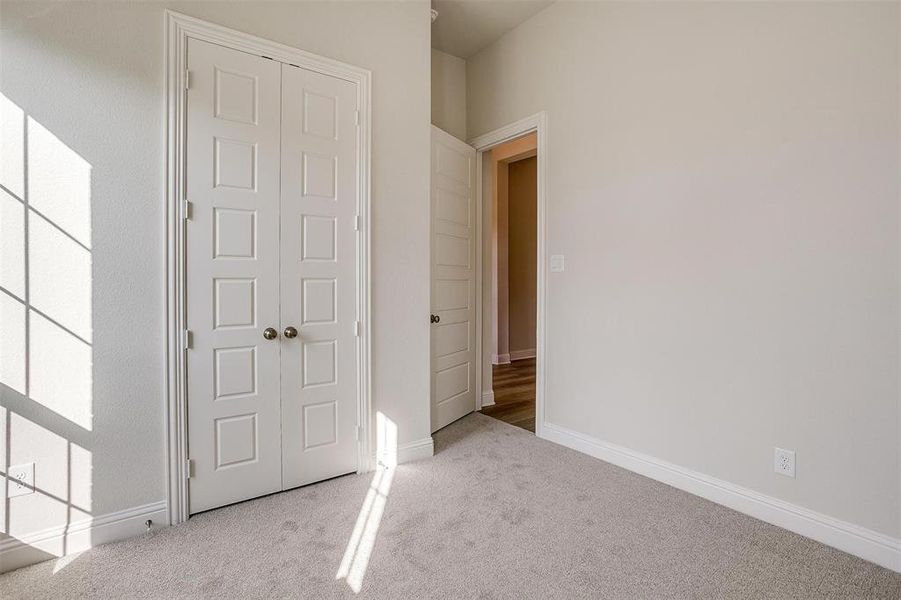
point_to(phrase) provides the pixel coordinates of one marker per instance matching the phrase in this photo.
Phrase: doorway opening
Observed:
(470, 274)
(510, 192)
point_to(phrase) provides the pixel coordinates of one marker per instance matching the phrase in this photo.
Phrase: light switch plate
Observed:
(556, 263)
(21, 480)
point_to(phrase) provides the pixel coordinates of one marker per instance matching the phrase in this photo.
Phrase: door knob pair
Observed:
(270, 333)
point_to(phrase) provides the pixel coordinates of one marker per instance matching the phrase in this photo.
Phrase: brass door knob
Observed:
(290, 333)
(270, 333)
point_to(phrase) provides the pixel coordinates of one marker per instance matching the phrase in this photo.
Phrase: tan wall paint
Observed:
(723, 179)
(449, 93)
(516, 149)
(522, 215)
(501, 257)
(496, 275)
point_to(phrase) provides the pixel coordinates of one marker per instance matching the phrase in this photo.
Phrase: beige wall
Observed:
(501, 258)
(90, 75)
(522, 213)
(449, 93)
(723, 179)
(521, 147)
(496, 276)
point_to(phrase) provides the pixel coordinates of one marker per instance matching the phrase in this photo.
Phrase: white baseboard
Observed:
(408, 452)
(80, 535)
(521, 354)
(417, 450)
(853, 539)
(500, 359)
(488, 398)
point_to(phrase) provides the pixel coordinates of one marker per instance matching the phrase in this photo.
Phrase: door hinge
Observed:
(188, 210)
(357, 118)
(189, 339)
(358, 223)
(187, 80)
(188, 469)
(359, 432)
(358, 327)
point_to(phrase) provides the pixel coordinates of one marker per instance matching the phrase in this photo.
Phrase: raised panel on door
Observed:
(318, 275)
(452, 279)
(232, 167)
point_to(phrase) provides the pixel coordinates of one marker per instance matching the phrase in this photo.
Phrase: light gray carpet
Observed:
(497, 513)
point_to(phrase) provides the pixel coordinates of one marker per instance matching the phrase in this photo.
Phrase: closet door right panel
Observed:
(318, 276)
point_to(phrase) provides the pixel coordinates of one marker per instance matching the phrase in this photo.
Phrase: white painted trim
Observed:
(480, 385)
(522, 354)
(483, 143)
(179, 28)
(486, 141)
(80, 535)
(480, 344)
(859, 541)
(409, 452)
(417, 450)
(488, 398)
(500, 359)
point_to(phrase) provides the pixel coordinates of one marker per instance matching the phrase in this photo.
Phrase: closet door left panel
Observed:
(232, 267)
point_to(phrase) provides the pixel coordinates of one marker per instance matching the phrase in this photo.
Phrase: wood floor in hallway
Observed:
(514, 394)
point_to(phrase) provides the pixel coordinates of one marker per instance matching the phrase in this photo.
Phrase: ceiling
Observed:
(466, 26)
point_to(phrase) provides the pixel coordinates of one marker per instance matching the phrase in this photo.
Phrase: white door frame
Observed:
(179, 28)
(535, 123)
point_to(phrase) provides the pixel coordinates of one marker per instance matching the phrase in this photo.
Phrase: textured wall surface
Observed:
(723, 180)
(522, 214)
(89, 77)
(449, 93)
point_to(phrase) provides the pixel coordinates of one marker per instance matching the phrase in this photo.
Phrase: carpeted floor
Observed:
(497, 513)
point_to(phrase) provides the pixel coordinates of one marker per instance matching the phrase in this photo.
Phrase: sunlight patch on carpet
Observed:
(362, 539)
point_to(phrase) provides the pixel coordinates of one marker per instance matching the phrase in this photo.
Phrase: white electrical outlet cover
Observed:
(785, 462)
(21, 480)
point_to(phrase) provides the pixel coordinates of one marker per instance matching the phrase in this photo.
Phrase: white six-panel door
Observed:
(318, 249)
(232, 166)
(453, 279)
(270, 243)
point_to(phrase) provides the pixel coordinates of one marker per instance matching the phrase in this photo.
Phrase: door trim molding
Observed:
(534, 123)
(179, 28)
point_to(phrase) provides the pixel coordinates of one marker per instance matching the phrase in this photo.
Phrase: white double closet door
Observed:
(271, 244)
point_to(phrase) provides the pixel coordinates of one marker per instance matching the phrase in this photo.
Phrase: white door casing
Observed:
(180, 30)
(232, 165)
(536, 123)
(319, 241)
(273, 241)
(453, 284)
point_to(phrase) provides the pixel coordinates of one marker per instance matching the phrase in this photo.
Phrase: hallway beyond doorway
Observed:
(514, 394)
